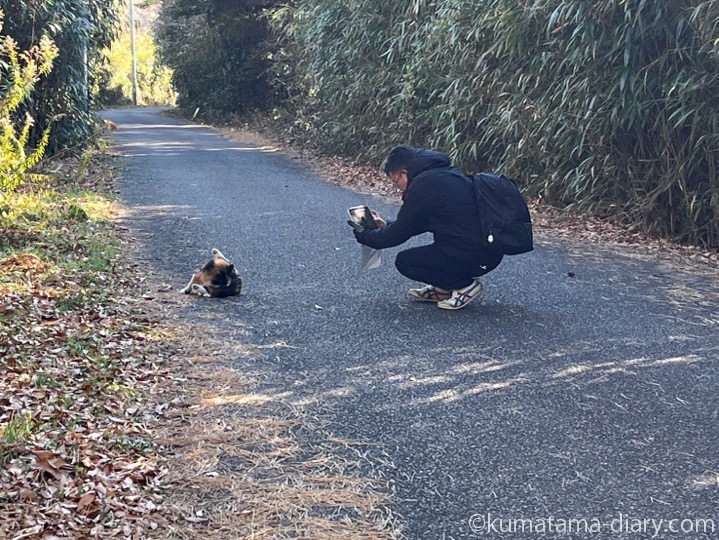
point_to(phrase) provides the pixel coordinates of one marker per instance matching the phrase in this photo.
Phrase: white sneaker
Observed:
(462, 297)
(430, 293)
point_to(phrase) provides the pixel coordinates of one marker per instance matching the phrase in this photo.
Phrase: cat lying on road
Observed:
(217, 279)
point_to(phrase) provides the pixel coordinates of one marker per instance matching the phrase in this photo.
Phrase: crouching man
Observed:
(436, 198)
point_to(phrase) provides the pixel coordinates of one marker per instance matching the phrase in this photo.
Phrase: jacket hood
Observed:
(424, 160)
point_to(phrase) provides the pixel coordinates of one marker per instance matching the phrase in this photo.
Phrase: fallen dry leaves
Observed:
(78, 355)
(74, 454)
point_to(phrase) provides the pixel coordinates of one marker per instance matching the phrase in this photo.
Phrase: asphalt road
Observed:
(552, 407)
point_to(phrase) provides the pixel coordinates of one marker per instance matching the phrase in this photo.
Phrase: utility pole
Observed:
(85, 94)
(134, 56)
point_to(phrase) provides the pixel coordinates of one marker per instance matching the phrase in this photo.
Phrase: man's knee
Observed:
(419, 263)
(403, 264)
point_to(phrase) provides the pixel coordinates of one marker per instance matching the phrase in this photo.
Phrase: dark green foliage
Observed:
(610, 106)
(353, 94)
(616, 110)
(75, 212)
(217, 53)
(80, 29)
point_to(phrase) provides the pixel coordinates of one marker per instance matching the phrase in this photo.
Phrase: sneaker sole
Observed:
(420, 299)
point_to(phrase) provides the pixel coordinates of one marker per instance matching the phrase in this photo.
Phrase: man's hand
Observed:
(358, 229)
(381, 223)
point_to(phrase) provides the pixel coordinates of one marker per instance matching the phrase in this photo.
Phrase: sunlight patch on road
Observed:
(243, 399)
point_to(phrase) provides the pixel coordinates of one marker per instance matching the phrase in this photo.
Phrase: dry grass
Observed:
(241, 464)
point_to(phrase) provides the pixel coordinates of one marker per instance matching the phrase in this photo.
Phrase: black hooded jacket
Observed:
(439, 199)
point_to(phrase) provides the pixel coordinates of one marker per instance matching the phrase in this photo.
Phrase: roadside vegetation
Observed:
(605, 107)
(60, 102)
(79, 357)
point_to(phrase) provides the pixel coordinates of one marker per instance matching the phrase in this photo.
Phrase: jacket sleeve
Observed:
(411, 221)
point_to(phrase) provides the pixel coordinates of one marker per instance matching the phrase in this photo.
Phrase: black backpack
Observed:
(504, 218)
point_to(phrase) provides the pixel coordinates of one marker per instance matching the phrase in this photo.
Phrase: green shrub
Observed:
(21, 70)
(80, 29)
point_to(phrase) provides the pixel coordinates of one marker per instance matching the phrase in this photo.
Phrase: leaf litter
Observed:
(75, 445)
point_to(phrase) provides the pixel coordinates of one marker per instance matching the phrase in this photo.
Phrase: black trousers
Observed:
(430, 265)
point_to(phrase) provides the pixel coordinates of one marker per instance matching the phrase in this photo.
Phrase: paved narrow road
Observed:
(591, 398)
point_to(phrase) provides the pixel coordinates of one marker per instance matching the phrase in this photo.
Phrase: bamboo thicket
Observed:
(610, 106)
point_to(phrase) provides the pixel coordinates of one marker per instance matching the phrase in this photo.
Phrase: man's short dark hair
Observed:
(398, 159)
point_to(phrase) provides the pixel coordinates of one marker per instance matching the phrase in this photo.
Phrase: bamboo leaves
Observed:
(610, 105)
